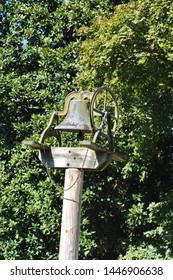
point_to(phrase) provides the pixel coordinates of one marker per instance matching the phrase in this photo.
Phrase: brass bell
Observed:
(77, 118)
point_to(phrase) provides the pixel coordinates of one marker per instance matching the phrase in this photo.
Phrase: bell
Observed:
(77, 118)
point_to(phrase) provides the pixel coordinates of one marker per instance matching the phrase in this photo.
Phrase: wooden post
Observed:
(71, 214)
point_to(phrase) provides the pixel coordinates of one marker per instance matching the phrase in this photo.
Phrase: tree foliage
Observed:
(130, 50)
(132, 53)
(39, 48)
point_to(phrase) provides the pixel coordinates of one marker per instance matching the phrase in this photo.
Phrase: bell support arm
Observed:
(46, 132)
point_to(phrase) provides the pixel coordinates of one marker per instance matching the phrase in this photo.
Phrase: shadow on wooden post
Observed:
(71, 214)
